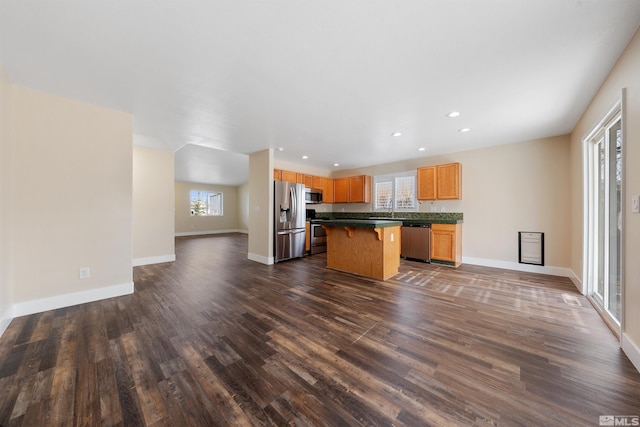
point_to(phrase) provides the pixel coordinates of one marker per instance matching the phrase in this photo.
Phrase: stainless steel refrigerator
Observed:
(290, 217)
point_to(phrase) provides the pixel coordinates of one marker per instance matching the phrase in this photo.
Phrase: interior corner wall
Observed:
(261, 207)
(72, 199)
(6, 195)
(624, 75)
(188, 225)
(153, 206)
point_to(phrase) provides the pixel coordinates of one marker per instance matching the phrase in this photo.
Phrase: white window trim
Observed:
(209, 194)
(392, 178)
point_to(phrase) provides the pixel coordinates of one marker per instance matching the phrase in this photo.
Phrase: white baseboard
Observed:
(508, 265)
(68, 300)
(204, 233)
(5, 319)
(261, 259)
(631, 350)
(153, 260)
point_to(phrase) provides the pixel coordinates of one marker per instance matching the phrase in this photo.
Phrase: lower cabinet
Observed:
(307, 241)
(446, 244)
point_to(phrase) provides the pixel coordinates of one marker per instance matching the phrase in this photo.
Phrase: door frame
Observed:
(617, 108)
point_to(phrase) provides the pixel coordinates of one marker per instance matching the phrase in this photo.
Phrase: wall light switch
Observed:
(635, 204)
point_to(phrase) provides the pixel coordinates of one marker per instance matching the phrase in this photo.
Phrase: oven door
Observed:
(318, 239)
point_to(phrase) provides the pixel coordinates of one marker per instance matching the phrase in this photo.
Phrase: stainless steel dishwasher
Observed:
(416, 242)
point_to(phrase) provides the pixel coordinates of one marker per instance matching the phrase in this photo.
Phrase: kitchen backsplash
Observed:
(430, 216)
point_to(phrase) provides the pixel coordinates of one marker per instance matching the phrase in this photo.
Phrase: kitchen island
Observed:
(367, 247)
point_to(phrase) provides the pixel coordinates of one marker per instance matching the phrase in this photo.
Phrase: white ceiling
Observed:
(329, 79)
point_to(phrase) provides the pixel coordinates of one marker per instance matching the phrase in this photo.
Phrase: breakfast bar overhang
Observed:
(366, 247)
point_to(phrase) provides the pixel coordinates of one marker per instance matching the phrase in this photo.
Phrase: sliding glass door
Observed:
(604, 225)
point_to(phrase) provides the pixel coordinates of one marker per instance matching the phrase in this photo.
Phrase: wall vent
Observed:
(531, 247)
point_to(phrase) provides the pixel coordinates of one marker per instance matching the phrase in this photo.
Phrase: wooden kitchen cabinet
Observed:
(440, 182)
(360, 189)
(352, 189)
(449, 181)
(318, 183)
(446, 244)
(427, 183)
(327, 191)
(288, 176)
(341, 190)
(307, 238)
(277, 175)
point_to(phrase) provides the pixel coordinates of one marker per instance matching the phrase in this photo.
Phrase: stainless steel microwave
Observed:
(313, 195)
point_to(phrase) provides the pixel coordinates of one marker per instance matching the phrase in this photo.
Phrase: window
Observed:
(206, 203)
(395, 192)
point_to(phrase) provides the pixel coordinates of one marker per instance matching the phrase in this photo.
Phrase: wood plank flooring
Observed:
(216, 339)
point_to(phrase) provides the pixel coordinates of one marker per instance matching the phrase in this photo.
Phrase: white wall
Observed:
(153, 206)
(625, 74)
(72, 181)
(6, 196)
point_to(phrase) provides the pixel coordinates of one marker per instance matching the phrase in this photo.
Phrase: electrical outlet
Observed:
(635, 204)
(85, 272)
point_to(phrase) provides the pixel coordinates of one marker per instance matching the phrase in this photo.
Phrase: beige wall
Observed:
(505, 189)
(625, 74)
(243, 207)
(6, 194)
(261, 207)
(72, 199)
(153, 206)
(301, 168)
(192, 225)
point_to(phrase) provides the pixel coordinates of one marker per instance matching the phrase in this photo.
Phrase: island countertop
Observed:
(360, 223)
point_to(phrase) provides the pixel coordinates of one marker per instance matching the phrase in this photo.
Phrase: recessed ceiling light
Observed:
(421, 149)
(305, 157)
(336, 164)
(396, 134)
(280, 149)
(453, 114)
(464, 130)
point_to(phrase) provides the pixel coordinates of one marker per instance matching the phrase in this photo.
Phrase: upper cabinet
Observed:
(427, 183)
(360, 189)
(318, 182)
(327, 191)
(352, 189)
(341, 190)
(441, 182)
(449, 181)
(288, 176)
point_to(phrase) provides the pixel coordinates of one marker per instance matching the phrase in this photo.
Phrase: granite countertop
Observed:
(407, 218)
(360, 223)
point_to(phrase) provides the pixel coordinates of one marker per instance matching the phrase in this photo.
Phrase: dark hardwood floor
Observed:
(216, 339)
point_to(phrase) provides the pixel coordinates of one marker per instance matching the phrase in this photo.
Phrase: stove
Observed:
(318, 237)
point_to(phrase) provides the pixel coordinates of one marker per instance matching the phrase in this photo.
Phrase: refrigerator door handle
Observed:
(291, 231)
(294, 201)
